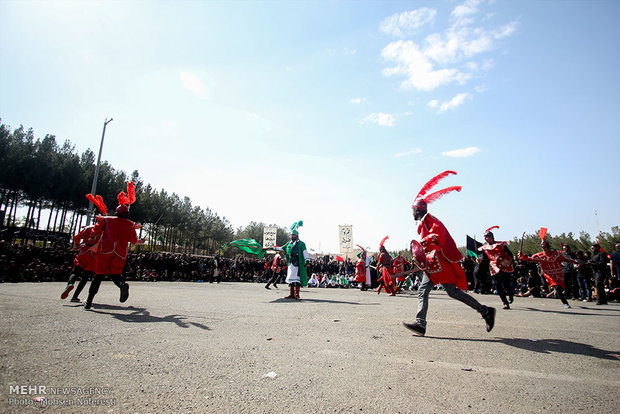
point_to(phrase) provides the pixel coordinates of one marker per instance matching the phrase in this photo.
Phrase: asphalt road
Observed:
(207, 348)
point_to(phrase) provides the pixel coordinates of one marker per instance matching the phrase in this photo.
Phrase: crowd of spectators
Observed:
(32, 263)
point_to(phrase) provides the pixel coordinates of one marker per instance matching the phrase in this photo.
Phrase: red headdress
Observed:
(489, 230)
(126, 200)
(98, 202)
(364, 250)
(383, 241)
(421, 200)
(542, 233)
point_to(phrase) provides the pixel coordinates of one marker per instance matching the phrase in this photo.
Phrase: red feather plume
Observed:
(103, 208)
(491, 228)
(438, 194)
(122, 198)
(98, 202)
(383, 241)
(542, 233)
(364, 250)
(131, 192)
(433, 182)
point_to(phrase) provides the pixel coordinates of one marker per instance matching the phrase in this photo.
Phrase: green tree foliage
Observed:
(40, 174)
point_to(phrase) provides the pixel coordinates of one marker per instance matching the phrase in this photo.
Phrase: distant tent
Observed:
(472, 247)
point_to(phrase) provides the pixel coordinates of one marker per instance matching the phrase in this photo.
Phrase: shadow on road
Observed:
(141, 315)
(545, 346)
(343, 302)
(567, 311)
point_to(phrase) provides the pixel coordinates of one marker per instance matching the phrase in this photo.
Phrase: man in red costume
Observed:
(83, 264)
(439, 257)
(399, 263)
(362, 270)
(501, 265)
(384, 266)
(115, 232)
(550, 262)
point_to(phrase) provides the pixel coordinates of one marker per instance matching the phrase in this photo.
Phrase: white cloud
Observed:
(444, 57)
(458, 100)
(193, 84)
(401, 24)
(480, 88)
(357, 101)
(380, 119)
(412, 152)
(417, 68)
(468, 8)
(506, 30)
(462, 153)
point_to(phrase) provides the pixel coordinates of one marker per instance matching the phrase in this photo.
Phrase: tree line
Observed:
(42, 176)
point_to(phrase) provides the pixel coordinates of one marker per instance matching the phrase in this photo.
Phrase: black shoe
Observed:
(124, 293)
(506, 306)
(511, 299)
(275, 286)
(489, 318)
(75, 300)
(267, 287)
(87, 305)
(65, 293)
(416, 328)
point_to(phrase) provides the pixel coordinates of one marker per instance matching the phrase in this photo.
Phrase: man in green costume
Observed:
(296, 257)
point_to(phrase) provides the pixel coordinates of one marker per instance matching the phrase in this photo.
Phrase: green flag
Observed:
(249, 246)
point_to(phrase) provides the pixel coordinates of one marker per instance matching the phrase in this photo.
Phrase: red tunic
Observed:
(85, 257)
(386, 268)
(399, 267)
(276, 265)
(551, 266)
(442, 255)
(116, 233)
(499, 260)
(360, 271)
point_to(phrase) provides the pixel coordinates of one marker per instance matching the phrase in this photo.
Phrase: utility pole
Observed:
(93, 189)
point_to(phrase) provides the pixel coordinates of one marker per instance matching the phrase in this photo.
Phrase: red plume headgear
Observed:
(381, 248)
(488, 231)
(126, 200)
(422, 200)
(542, 233)
(98, 202)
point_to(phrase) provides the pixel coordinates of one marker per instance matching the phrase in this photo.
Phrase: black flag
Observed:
(472, 247)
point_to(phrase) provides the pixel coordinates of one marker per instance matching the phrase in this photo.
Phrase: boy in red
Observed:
(83, 264)
(501, 265)
(399, 263)
(277, 265)
(550, 262)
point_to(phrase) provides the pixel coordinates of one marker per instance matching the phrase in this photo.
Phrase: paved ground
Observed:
(193, 347)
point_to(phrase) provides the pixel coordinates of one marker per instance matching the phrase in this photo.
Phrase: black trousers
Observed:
(599, 283)
(78, 273)
(275, 277)
(119, 280)
(559, 290)
(503, 286)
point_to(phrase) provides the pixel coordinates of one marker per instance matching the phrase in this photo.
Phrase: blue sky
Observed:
(336, 112)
